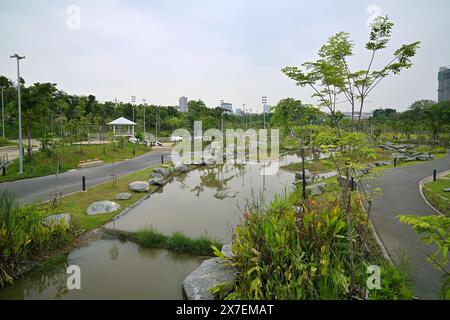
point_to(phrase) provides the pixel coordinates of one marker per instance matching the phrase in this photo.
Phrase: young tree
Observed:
(330, 76)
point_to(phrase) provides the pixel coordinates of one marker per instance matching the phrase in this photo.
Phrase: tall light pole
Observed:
(264, 102)
(18, 58)
(3, 114)
(145, 105)
(133, 101)
(244, 123)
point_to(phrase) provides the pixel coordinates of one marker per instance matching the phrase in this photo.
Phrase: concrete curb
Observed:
(423, 182)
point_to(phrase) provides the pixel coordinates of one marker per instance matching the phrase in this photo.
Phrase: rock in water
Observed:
(57, 219)
(139, 186)
(180, 168)
(123, 196)
(225, 194)
(100, 207)
(210, 273)
(163, 171)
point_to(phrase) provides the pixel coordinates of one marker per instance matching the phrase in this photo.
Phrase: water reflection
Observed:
(110, 269)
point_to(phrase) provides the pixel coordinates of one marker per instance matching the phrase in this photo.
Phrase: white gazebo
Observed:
(122, 127)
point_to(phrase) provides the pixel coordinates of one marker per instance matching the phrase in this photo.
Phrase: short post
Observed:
(162, 159)
(434, 175)
(4, 171)
(352, 184)
(83, 183)
(134, 152)
(395, 162)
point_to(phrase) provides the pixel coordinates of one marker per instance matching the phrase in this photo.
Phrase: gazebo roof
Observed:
(122, 121)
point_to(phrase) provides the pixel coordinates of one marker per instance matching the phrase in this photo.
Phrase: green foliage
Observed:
(151, 238)
(435, 194)
(23, 234)
(281, 254)
(435, 230)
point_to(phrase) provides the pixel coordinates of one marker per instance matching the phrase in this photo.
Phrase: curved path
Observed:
(42, 188)
(401, 195)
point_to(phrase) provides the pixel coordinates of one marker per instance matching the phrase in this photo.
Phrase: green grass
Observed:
(435, 194)
(6, 143)
(77, 203)
(43, 164)
(178, 242)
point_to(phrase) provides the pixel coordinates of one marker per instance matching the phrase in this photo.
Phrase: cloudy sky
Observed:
(211, 50)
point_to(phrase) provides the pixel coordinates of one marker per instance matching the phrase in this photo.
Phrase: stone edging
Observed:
(426, 180)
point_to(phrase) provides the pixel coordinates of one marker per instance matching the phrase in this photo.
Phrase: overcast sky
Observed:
(211, 50)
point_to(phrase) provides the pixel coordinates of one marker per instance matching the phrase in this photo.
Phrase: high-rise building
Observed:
(226, 105)
(266, 108)
(238, 111)
(182, 104)
(444, 84)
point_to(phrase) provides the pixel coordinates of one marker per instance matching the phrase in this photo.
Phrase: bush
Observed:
(22, 234)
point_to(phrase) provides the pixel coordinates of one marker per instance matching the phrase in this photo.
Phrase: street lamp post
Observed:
(3, 114)
(133, 101)
(264, 102)
(145, 105)
(18, 58)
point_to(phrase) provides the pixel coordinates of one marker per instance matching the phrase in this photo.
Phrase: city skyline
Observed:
(161, 51)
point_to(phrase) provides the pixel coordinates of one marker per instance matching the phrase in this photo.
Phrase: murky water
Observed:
(110, 269)
(206, 201)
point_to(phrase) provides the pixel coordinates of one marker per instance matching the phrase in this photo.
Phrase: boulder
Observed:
(156, 181)
(123, 196)
(210, 273)
(57, 219)
(225, 194)
(157, 175)
(423, 157)
(343, 180)
(101, 207)
(446, 189)
(163, 171)
(180, 168)
(139, 186)
(381, 163)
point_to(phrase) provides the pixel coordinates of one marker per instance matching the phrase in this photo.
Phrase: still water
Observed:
(205, 201)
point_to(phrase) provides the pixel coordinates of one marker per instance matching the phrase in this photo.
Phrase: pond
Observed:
(205, 201)
(110, 269)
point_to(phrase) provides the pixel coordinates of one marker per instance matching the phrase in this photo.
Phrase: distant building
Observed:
(182, 104)
(266, 108)
(444, 84)
(238, 111)
(226, 105)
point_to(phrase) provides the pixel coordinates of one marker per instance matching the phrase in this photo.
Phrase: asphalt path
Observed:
(43, 188)
(401, 195)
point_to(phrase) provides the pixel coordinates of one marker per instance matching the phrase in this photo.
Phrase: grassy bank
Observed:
(179, 242)
(43, 163)
(438, 198)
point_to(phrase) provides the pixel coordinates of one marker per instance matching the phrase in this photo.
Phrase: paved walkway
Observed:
(42, 188)
(401, 195)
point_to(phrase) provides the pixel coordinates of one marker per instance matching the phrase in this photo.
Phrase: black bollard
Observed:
(83, 183)
(434, 175)
(395, 162)
(134, 152)
(4, 171)
(162, 159)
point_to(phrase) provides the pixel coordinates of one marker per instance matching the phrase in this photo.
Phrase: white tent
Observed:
(123, 127)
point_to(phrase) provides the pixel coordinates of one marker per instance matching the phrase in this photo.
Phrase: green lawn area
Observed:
(77, 203)
(43, 164)
(435, 194)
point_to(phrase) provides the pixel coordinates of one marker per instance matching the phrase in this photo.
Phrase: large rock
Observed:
(180, 168)
(343, 181)
(381, 163)
(123, 196)
(423, 157)
(157, 181)
(139, 186)
(101, 207)
(446, 189)
(162, 171)
(209, 274)
(62, 218)
(157, 175)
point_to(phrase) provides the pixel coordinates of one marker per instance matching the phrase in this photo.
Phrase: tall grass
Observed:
(23, 234)
(283, 254)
